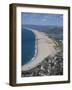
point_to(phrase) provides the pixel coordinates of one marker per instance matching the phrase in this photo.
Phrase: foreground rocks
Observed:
(50, 66)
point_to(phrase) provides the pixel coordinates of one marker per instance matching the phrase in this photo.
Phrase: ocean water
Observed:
(27, 45)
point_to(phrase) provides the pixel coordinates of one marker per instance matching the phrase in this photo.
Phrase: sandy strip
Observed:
(45, 47)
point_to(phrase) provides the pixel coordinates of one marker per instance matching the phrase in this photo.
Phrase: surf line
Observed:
(36, 46)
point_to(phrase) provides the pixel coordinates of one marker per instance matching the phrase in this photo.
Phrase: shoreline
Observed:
(44, 46)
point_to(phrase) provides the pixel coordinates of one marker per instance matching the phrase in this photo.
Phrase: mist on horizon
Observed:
(41, 19)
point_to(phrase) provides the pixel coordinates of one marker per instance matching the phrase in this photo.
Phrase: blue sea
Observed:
(27, 45)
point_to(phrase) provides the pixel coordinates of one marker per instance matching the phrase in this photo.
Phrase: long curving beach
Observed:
(44, 46)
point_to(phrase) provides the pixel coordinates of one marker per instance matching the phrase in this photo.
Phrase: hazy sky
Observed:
(41, 19)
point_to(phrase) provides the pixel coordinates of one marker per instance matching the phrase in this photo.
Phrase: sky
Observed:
(41, 19)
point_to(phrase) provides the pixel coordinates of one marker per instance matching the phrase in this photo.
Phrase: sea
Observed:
(27, 45)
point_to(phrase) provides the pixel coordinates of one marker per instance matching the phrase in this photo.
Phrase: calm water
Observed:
(28, 45)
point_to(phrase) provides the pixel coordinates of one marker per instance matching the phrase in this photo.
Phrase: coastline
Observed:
(44, 46)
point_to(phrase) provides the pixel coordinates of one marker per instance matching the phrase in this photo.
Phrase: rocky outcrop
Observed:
(49, 66)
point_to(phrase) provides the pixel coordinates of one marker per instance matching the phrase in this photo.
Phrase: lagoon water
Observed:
(27, 45)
